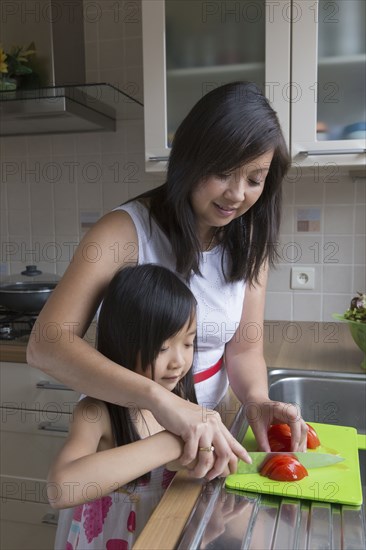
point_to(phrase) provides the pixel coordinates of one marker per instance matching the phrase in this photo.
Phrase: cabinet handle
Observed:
(45, 385)
(49, 427)
(50, 519)
(158, 159)
(333, 152)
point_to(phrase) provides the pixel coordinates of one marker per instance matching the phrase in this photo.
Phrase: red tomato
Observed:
(283, 468)
(313, 439)
(279, 438)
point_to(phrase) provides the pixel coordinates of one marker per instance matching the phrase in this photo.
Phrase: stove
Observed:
(15, 325)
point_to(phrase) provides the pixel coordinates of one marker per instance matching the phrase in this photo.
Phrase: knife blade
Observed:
(308, 460)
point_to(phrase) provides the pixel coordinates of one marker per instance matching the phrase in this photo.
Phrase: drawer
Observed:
(27, 526)
(26, 450)
(23, 387)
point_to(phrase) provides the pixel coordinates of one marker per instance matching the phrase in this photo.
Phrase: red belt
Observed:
(205, 374)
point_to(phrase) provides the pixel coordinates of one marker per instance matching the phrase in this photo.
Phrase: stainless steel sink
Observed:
(224, 519)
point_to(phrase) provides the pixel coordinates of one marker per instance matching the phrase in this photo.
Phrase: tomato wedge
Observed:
(283, 468)
(313, 439)
(279, 438)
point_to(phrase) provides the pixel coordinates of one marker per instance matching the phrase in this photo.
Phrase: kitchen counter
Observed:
(290, 345)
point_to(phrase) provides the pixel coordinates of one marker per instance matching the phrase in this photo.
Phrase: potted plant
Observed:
(355, 316)
(14, 66)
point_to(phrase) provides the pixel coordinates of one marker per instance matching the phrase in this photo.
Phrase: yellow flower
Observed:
(3, 65)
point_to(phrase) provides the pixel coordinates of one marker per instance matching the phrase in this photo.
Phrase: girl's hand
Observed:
(262, 413)
(200, 427)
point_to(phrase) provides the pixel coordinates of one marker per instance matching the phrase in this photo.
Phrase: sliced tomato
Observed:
(283, 468)
(313, 439)
(279, 438)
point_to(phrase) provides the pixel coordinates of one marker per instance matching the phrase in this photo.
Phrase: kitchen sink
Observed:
(232, 519)
(329, 398)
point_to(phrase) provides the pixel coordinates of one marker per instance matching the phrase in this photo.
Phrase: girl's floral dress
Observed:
(115, 521)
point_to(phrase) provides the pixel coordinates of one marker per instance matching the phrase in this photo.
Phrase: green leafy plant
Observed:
(15, 62)
(357, 310)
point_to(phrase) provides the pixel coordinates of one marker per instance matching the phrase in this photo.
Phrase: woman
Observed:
(215, 222)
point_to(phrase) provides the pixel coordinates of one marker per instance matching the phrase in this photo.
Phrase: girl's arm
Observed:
(57, 348)
(247, 372)
(80, 474)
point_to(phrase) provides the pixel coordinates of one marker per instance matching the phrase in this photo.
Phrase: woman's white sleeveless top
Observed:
(219, 304)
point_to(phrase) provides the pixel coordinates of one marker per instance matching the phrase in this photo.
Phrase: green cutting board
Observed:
(340, 483)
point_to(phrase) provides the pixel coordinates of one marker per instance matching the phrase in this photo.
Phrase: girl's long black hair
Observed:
(230, 126)
(143, 307)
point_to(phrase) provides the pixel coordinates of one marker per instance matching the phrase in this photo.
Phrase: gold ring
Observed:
(209, 449)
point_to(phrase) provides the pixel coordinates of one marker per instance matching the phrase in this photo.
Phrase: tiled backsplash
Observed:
(53, 187)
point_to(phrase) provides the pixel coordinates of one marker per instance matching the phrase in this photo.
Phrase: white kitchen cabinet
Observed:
(328, 106)
(287, 47)
(190, 48)
(35, 413)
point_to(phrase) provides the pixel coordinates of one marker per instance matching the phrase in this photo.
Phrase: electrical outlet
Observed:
(302, 278)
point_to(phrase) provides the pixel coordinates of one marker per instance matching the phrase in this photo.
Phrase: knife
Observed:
(308, 460)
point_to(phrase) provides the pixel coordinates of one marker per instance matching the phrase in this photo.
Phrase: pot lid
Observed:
(30, 275)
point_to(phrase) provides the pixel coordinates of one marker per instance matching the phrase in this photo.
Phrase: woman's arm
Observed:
(80, 474)
(247, 372)
(57, 348)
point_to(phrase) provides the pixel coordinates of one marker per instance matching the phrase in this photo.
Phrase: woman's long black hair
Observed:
(143, 307)
(230, 126)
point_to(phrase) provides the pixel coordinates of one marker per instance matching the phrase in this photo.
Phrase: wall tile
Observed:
(360, 251)
(360, 219)
(279, 279)
(133, 56)
(335, 303)
(360, 190)
(89, 196)
(132, 18)
(307, 192)
(39, 146)
(66, 221)
(18, 196)
(19, 222)
(42, 222)
(337, 279)
(14, 147)
(338, 219)
(111, 25)
(62, 145)
(359, 278)
(342, 192)
(110, 54)
(288, 192)
(14, 170)
(338, 249)
(65, 195)
(307, 307)
(87, 144)
(278, 306)
(287, 219)
(41, 196)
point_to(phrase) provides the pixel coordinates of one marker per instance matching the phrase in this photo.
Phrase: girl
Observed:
(147, 323)
(215, 221)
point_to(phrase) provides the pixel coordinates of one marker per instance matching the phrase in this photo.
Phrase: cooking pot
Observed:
(27, 292)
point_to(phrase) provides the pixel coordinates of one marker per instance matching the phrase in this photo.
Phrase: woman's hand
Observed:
(261, 413)
(201, 428)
